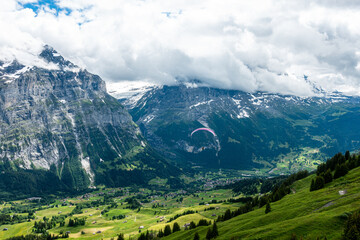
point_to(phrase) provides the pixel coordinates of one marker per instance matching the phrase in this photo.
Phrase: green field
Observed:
(147, 216)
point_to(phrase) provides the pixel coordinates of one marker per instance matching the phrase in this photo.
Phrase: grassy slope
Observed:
(302, 213)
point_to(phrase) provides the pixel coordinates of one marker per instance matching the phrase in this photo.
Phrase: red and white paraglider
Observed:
(203, 129)
(210, 131)
(216, 140)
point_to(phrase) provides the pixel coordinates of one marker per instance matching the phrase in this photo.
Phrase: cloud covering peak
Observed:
(245, 45)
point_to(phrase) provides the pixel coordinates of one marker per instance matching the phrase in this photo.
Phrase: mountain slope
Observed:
(306, 214)
(59, 118)
(260, 130)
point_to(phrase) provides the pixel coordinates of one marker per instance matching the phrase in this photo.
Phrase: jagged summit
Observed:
(52, 56)
(47, 59)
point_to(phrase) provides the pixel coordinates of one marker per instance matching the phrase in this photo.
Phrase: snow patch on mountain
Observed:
(201, 103)
(289, 99)
(28, 59)
(149, 118)
(9, 78)
(243, 114)
(203, 122)
(237, 102)
(129, 91)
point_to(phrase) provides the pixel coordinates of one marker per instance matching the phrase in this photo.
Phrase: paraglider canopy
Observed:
(203, 129)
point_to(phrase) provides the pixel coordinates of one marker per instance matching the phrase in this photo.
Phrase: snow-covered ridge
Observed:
(28, 59)
(131, 94)
(197, 102)
(14, 63)
(10, 70)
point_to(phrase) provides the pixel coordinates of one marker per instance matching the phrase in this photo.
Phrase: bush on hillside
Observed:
(317, 184)
(268, 208)
(352, 227)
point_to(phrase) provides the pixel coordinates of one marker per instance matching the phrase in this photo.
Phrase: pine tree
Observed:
(203, 222)
(342, 159)
(215, 231)
(319, 182)
(209, 234)
(312, 188)
(321, 168)
(340, 170)
(121, 237)
(278, 195)
(196, 236)
(71, 222)
(347, 155)
(352, 164)
(160, 234)
(167, 230)
(142, 237)
(227, 215)
(268, 208)
(328, 176)
(176, 227)
(263, 201)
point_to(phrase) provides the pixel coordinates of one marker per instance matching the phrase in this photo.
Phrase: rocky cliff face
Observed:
(60, 118)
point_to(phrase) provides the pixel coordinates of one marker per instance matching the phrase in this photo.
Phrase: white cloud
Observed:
(246, 45)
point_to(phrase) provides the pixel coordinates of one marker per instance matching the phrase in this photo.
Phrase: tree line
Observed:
(339, 164)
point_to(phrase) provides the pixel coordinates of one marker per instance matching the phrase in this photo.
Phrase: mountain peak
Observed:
(47, 58)
(50, 55)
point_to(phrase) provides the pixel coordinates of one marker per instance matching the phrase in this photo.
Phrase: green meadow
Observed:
(102, 226)
(305, 214)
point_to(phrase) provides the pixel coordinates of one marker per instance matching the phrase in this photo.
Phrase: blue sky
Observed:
(43, 4)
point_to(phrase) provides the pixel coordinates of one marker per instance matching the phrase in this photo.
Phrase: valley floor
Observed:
(302, 213)
(100, 225)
